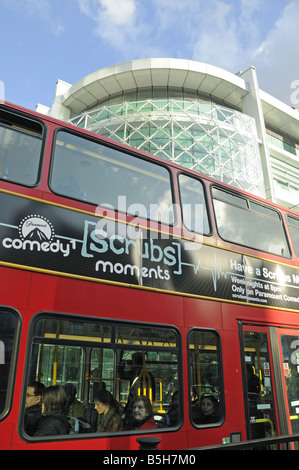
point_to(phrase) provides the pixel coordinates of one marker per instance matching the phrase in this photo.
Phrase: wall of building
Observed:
(196, 115)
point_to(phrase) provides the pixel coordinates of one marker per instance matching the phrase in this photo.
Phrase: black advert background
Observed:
(38, 235)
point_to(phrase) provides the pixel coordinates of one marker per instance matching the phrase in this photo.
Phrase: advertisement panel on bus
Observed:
(53, 239)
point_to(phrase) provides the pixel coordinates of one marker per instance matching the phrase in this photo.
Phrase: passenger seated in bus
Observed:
(33, 412)
(109, 420)
(54, 420)
(142, 415)
(75, 408)
(172, 387)
(173, 412)
(194, 396)
(253, 384)
(254, 389)
(207, 411)
(141, 378)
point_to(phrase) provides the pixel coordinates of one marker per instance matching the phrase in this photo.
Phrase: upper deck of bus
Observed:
(41, 189)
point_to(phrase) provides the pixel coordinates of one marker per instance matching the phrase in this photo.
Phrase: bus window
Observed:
(127, 360)
(20, 149)
(250, 224)
(8, 343)
(294, 231)
(205, 369)
(194, 209)
(258, 386)
(290, 358)
(60, 364)
(88, 171)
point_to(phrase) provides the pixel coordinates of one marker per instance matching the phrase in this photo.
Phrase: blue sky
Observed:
(45, 40)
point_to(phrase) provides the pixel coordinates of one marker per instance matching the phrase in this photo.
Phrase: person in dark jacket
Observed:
(54, 421)
(140, 377)
(74, 407)
(33, 412)
(207, 411)
(109, 419)
(173, 412)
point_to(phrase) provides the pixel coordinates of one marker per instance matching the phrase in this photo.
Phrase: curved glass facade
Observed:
(193, 132)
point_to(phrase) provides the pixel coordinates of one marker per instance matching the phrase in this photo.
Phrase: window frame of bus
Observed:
(113, 323)
(207, 209)
(26, 118)
(221, 408)
(248, 201)
(291, 226)
(13, 362)
(128, 152)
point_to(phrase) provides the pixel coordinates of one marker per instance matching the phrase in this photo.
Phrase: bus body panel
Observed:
(211, 336)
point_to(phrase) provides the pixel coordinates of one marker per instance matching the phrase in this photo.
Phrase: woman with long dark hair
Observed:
(109, 419)
(54, 420)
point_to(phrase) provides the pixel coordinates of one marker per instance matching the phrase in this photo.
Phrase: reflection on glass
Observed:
(205, 378)
(249, 227)
(88, 171)
(260, 400)
(290, 354)
(294, 230)
(194, 210)
(126, 360)
(20, 154)
(8, 329)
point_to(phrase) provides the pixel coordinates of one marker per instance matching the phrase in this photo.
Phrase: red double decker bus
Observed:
(122, 272)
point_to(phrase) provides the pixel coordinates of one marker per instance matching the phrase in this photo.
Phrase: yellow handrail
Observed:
(266, 420)
(145, 378)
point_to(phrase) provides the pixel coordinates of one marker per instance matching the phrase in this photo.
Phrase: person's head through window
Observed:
(208, 405)
(54, 399)
(33, 394)
(141, 408)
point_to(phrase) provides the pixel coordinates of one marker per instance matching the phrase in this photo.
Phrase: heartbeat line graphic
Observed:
(216, 272)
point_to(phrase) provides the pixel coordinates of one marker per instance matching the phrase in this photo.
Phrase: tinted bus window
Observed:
(8, 344)
(250, 224)
(194, 209)
(20, 149)
(294, 231)
(205, 369)
(126, 360)
(88, 171)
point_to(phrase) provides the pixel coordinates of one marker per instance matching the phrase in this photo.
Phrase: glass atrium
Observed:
(184, 127)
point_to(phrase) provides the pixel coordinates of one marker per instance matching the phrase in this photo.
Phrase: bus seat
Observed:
(75, 425)
(161, 420)
(91, 416)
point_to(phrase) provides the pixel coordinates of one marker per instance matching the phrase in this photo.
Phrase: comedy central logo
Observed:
(36, 233)
(36, 228)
